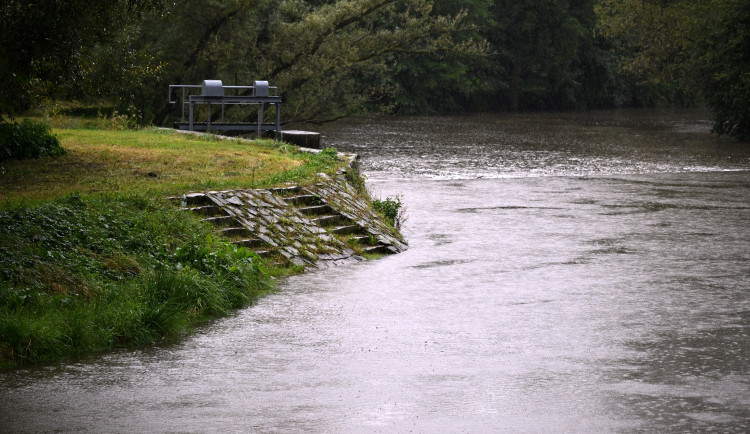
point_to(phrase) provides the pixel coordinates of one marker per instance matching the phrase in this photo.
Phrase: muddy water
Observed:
(583, 273)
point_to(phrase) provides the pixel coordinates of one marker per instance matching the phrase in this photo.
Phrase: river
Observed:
(566, 273)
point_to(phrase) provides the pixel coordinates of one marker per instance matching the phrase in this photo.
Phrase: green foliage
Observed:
(447, 81)
(357, 180)
(84, 275)
(338, 58)
(46, 47)
(28, 139)
(328, 59)
(544, 56)
(543, 47)
(391, 209)
(725, 60)
(89, 111)
(128, 120)
(694, 45)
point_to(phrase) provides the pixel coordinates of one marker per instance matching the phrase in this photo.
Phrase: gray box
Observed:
(212, 88)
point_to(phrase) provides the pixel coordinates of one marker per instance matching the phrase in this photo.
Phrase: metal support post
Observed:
(208, 119)
(278, 121)
(190, 124)
(182, 103)
(260, 120)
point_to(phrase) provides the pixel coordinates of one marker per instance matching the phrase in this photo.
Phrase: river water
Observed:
(566, 273)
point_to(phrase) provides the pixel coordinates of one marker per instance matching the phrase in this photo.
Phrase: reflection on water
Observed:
(615, 301)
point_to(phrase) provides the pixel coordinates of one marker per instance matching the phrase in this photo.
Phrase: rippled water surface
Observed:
(576, 273)
(511, 146)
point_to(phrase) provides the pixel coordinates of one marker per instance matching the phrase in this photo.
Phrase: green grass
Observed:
(81, 275)
(93, 257)
(155, 162)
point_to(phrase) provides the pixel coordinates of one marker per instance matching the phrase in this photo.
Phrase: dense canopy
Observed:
(335, 58)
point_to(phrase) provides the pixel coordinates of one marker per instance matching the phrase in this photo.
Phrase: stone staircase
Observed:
(315, 227)
(322, 214)
(224, 223)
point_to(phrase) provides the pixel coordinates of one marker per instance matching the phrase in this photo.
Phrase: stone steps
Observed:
(338, 224)
(220, 221)
(206, 210)
(330, 220)
(250, 243)
(305, 226)
(325, 216)
(358, 236)
(313, 210)
(378, 248)
(226, 225)
(286, 191)
(303, 199)
(360, 239)
(196, 199)
(346, 229)
(264, 253)
(236, 232)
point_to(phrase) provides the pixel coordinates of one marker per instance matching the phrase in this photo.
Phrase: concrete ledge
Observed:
(305, 139)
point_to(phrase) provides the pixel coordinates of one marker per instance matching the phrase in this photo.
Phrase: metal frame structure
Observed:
(213, 93)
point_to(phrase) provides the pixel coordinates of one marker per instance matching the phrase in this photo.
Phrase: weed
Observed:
(325, 161)
(121, 121)
(390, 209)
(356, 180)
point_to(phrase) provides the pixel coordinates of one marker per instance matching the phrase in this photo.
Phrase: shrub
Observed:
(390, 209)
(28, 139)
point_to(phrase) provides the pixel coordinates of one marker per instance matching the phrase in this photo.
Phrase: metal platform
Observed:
(213, 93)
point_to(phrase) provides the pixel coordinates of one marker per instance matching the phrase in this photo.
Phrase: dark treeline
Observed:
(336, 58)
(544, 55)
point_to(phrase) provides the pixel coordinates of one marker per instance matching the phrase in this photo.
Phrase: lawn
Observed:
(154, 162)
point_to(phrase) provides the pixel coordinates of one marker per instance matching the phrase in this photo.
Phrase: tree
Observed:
(447, 81)
(702, 45)
(725, 60)
(548, 51)
(543, 55)
(328, 58)
(42, 41)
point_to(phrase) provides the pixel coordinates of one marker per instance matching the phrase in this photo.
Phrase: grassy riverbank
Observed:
(93, 257)
(154, 162)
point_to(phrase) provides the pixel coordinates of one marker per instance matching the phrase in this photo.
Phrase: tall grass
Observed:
(85, 274)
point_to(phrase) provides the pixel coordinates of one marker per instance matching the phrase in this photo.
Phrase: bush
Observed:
(28, 139)
(390, 209)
